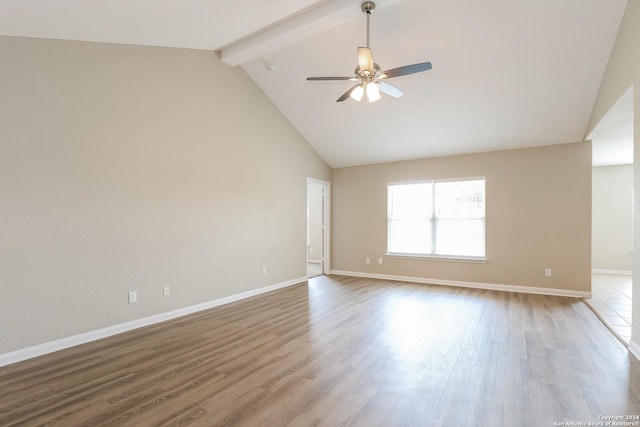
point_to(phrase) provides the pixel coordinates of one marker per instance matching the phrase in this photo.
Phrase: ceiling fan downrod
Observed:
(368, 7)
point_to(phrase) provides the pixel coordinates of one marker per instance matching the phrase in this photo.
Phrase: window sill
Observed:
(453, 258)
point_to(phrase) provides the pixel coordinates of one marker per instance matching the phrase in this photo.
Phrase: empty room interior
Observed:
(319, 213)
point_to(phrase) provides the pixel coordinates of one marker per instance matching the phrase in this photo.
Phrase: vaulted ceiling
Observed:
(506, 73)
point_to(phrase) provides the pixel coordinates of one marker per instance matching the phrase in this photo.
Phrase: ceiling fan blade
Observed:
(408, 69)
(365, 60)
(347, 94)
(329, 78)
(389, 89)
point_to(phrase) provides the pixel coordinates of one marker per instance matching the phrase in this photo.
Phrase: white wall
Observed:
(126, 167)
(611, 237)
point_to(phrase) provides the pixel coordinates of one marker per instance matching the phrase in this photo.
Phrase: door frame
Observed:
(326, 226)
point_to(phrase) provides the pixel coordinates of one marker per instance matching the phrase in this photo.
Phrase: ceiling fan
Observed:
(369, 74)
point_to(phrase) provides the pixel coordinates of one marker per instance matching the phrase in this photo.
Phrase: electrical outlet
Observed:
(166, 290)
(380, 261)
(264, 271)
(367, 260)
(547, 272)
(133, 297)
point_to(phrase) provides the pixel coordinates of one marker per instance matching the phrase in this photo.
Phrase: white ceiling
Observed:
(506, 73)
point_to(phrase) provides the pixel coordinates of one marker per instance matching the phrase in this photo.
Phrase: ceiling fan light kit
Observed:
(370, 75)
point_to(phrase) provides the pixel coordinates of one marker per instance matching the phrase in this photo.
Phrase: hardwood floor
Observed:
(336, 352)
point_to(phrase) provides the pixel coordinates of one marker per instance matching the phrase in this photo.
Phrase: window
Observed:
(437, 218)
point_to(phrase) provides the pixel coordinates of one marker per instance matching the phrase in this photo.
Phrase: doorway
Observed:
(612, 217)
(317, 227)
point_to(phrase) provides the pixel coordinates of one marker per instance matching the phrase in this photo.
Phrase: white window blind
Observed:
(437, 218)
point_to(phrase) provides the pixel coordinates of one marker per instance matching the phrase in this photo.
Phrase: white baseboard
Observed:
(634, 348)
(475, 285)
(61, 344)
(616, 272)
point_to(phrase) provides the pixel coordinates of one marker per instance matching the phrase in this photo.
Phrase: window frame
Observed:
(434, 256)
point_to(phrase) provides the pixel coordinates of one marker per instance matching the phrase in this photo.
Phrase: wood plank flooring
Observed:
(340, 352)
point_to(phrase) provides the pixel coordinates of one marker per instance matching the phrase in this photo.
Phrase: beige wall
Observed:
(612, 241)
(127, 167)
(538, 216)
(623, 72)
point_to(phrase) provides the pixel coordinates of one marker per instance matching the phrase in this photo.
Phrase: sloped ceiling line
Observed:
(309, 23)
